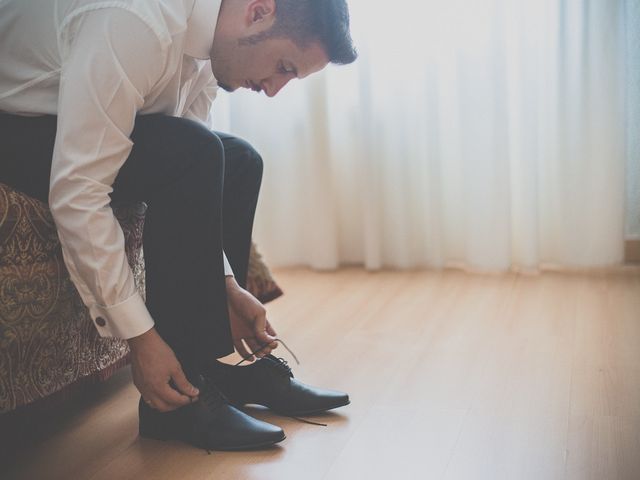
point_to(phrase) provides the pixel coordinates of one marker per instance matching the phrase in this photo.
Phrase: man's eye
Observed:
(285, 70)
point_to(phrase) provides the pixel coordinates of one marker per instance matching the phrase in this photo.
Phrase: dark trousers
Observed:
(193, 181)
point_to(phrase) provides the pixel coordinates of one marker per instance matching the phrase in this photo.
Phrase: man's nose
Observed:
(274, 85)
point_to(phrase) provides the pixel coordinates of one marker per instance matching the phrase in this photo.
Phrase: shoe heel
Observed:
(152, 424)
(153, 431)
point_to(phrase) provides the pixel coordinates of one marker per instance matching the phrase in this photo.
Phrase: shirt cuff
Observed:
(125, 320)
(228, 272)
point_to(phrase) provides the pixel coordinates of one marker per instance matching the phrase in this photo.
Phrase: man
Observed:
(104, 102)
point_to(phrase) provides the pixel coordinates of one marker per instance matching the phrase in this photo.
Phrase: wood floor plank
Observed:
(603, 447)
(452, 376)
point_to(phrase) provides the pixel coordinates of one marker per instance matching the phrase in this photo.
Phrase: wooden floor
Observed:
(451, 375)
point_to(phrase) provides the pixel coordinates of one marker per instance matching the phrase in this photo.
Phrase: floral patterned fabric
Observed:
(259, 280)
(47, 339)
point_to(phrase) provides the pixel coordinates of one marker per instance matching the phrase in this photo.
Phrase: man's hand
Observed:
(249, 324)
(153, 365)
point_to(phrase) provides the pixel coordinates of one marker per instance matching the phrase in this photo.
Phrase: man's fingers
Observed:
(172, 397)
(158, 404)
(184, 386)
(255, 347)
(242, 350)
(262, 335)
(270, 330)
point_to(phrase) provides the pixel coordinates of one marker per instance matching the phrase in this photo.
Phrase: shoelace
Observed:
(283, 366)
(244, 359)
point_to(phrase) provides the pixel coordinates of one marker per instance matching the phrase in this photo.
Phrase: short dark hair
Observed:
(309, 21)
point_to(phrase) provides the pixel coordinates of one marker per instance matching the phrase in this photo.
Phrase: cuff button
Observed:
(100, 321)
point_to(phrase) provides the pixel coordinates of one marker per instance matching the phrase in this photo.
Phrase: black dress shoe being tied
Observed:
(269, 382)
(210, 423)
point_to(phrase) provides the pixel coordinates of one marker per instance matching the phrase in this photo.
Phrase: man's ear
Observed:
(260, 11)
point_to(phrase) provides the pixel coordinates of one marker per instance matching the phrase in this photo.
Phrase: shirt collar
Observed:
(201, 26)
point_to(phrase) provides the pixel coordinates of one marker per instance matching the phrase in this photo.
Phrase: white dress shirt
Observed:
(96, 64)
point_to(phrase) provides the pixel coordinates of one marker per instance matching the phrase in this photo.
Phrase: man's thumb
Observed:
(184, 386)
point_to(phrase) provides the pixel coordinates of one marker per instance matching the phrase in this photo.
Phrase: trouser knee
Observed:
(243, 162)
(254, 164)
(170, 155)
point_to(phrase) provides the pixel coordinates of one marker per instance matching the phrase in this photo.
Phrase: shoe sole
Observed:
(252, 446)
(301, 413)
(256, 446)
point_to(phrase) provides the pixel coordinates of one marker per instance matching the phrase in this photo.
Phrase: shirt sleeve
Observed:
(199, 110)
(113, 59)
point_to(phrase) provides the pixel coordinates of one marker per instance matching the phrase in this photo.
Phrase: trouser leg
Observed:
(26, 147)
(242, 179)
(177, 168)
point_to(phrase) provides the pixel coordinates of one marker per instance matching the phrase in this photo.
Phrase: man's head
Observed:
(263, 44)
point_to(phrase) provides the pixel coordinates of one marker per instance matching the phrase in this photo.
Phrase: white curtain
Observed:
(632, 14)
(487, 135)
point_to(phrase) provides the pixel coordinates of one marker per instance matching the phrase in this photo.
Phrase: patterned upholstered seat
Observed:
(47, 339)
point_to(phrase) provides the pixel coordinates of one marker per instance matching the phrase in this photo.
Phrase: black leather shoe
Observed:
(210, 423)
(270, 382)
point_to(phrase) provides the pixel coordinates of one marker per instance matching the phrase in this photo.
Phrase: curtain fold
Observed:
(485, 135)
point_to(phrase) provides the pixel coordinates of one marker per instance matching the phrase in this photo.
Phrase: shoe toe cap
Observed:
(235, 430)
(306, 399)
